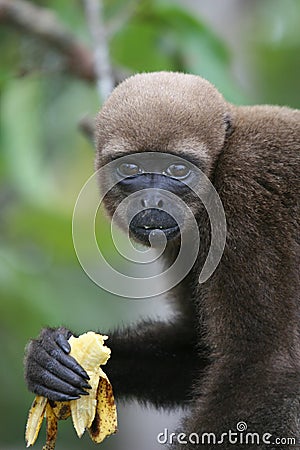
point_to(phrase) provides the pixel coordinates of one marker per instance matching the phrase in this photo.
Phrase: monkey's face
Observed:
(154, 130)
(152, 193)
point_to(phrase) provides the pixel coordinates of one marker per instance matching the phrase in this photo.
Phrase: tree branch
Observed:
(79, 61)
(45, 25)
(103, 69)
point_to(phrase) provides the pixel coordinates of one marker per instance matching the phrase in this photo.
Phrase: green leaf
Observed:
(137, 47)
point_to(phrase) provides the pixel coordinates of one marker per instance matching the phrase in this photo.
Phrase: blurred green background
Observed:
(249, 49)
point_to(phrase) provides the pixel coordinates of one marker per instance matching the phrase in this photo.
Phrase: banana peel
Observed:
(95, 412)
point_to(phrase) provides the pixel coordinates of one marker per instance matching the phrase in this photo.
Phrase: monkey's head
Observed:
(157, 130)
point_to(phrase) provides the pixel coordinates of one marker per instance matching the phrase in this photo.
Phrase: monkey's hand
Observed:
(49, 369)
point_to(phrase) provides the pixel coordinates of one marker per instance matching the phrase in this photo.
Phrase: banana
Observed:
(95, 412)
(35, 419)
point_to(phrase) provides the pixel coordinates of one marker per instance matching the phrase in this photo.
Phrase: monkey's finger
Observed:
(63, 343)
(57, 354)
(55, 367)
(55, 395)
(34, 351)
(38, 378)
(55, 383)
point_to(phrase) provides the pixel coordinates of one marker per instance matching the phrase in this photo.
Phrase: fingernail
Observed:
(82, 392)
(84, 374)
(66, 348)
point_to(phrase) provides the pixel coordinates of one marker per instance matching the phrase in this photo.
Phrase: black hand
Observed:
(50, 371)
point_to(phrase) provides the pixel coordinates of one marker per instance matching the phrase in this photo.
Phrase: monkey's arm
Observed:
(144, 360)
(156, 362)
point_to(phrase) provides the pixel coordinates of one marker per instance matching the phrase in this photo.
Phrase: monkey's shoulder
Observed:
(268, 124)
(263, 136)
(261, 158)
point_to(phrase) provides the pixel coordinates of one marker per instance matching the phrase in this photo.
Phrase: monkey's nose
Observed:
(152, 201)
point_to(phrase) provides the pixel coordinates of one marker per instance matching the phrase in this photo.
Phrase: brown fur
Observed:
(149, 113)
(249, 308)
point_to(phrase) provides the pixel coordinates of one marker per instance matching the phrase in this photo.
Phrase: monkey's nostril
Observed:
(151, 203)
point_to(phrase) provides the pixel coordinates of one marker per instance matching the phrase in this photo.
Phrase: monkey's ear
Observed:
(228, 124)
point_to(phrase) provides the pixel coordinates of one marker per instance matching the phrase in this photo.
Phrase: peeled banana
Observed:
(95, 412)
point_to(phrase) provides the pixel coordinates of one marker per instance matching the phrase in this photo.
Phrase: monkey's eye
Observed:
(129, 169)
(179, 171)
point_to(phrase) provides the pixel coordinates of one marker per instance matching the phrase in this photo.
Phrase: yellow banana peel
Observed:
(95, 412)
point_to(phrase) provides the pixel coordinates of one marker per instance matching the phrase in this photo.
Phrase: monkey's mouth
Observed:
(148, 221)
